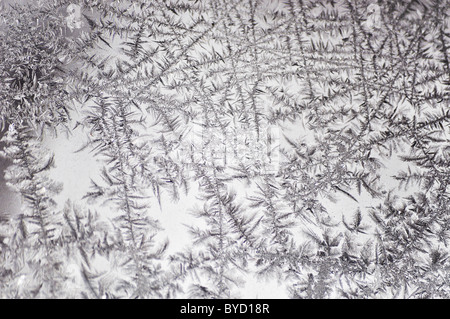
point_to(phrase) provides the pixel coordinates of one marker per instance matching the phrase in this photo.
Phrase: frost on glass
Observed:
(224, 149)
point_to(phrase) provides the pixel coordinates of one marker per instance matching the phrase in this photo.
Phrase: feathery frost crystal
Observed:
(225, 149)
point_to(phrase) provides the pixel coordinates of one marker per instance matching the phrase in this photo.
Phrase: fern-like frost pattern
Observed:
(225, 149)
